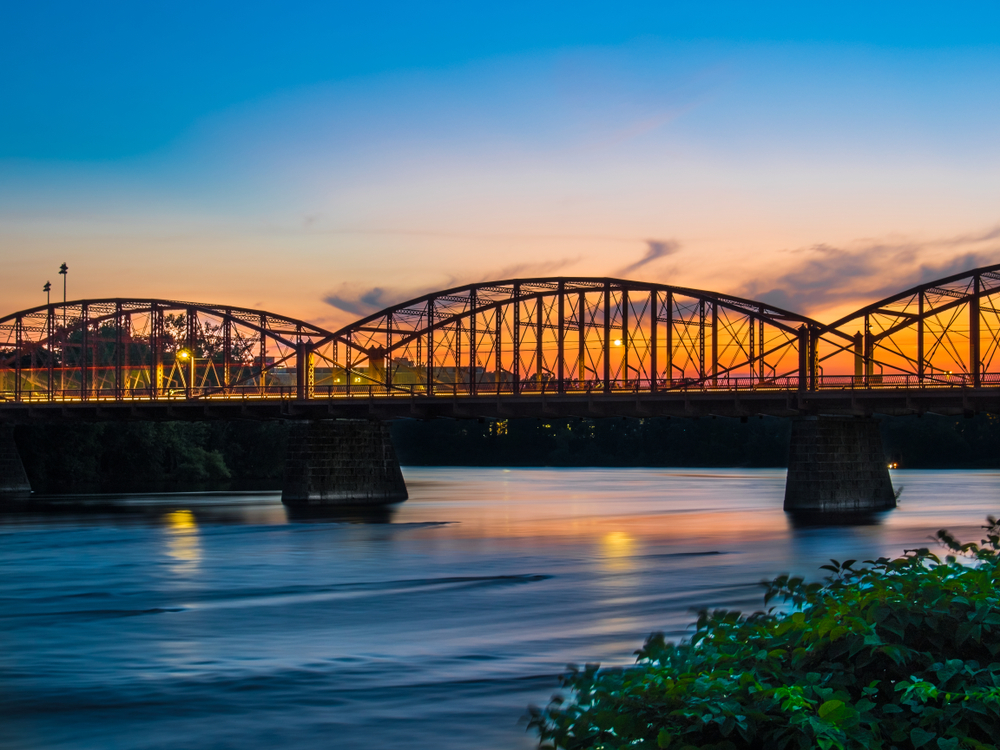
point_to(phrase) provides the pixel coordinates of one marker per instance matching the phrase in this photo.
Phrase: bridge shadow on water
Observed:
(803, 520)
(202, 507)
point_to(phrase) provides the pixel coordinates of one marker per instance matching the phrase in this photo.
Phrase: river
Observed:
(220, 621)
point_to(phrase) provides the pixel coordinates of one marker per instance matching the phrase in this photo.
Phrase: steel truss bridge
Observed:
(586, 347)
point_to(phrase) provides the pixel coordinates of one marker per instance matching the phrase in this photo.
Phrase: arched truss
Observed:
(943, 332)
(571, 334)
(150, 349)
(506, 337)
(548, 335)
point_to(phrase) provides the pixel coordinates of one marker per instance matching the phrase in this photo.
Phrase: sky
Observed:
(324, 160)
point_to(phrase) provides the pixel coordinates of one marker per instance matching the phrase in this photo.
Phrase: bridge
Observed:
(553, 347)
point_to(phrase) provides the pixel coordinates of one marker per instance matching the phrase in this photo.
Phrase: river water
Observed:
(219, 621)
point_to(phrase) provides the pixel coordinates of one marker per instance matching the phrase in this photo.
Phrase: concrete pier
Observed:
(341, 463)
(13, 480)
(837, 465)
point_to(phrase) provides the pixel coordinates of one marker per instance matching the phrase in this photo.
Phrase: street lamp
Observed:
(48, 297)
(64, 272)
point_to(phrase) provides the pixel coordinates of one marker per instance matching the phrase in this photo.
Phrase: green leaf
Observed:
(829, 707)
(663, 738)
(920, 737)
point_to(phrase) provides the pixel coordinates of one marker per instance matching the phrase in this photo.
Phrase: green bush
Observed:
(894, 654)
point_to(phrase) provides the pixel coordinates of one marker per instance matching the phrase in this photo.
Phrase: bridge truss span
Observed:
(537, 342)
(564, 335)
(942, 333)
(150, 350)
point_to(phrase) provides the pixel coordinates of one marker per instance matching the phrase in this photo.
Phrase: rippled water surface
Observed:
(220, 621)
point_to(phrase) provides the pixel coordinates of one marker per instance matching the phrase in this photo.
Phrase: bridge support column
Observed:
(837, 465)
(341, 463)
(13, 480)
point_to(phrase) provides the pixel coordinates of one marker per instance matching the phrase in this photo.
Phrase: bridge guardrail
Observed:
(722, 383)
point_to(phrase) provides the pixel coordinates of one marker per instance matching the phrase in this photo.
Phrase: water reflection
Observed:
(228, 620)
(183, 544)
(617, 551)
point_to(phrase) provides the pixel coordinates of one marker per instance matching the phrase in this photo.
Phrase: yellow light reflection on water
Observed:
(617, 549)
(183, 544)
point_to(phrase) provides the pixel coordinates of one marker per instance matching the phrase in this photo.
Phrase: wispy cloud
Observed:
(655, 249)
(363, 301)
(824, 276)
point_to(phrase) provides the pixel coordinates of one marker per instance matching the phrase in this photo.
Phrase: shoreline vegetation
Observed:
(889, 654)
(245, 455)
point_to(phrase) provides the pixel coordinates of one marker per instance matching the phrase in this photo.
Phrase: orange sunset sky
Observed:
(325, 163)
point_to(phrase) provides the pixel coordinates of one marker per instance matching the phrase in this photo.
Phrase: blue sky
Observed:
(288, 156)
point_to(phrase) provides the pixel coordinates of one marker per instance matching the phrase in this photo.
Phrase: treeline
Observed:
(152, 456)
(173, 456)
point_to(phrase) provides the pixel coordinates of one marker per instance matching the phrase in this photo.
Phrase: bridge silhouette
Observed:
(585, 347)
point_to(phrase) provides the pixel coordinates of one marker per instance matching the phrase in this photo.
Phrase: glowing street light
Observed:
(188, 356)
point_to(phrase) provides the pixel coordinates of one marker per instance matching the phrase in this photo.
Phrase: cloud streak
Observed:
(362, 301)
(823, 276)
(655, 249)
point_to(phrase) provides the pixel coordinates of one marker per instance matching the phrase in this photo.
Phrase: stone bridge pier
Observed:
(341, 463)
(837, 465)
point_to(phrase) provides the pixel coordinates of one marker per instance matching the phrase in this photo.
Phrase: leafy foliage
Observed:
(892, 654)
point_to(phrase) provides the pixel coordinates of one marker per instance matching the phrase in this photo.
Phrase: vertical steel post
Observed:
(301, 370)
(715, 343)
(348, 373)
(517, 337)
(388, 349)
(581, 320)
(625, 332)
(920, 337)
(607, 336)
(752, 358)
(561, 335)
(430, 348)
(84, 349)
(762, 365)
(192, 327)
(869, 352)
(813, 358)
(119, 346)
(497, 346)
(472, 343)
(975, 365)
(539, 361)
(803, 356)
(702, 365)
(50, 325)
(859, 359)
(263, 356)
(654, 314)
(156, 351)
(669, 369)
(127, 353)
(227, 352)
(457, 355)
(18, 355)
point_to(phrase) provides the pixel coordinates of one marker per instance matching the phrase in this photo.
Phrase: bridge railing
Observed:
(721, 383)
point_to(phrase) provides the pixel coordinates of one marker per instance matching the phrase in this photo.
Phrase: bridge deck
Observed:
(897, 398)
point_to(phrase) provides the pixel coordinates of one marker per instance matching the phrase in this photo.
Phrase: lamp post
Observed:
(47, 289)
(64, 272)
